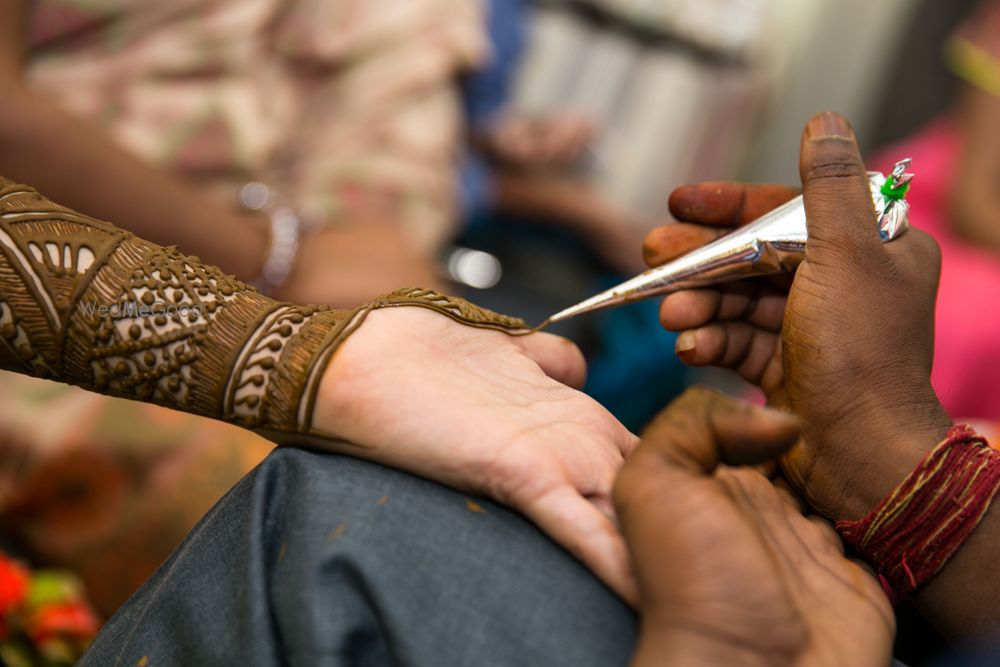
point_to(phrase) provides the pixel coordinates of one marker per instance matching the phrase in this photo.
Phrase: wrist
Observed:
(861, 459)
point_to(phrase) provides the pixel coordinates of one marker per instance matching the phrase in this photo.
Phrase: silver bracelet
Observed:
(285, 231)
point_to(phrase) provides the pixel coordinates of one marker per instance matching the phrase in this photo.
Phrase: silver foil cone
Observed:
(774, 243)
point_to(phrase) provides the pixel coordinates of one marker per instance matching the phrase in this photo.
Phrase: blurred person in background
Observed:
(956, 198)
(528, 165)
(153, 114)
(528, 197)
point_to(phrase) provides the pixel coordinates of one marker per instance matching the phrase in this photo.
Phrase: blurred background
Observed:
(513, 151)
(681, 91)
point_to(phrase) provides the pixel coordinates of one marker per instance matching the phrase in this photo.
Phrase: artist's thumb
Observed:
(839, 209)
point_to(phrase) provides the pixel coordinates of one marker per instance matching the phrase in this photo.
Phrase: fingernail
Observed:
(686, 342)
(828, 124)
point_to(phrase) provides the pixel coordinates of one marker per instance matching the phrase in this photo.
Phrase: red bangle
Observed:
(913, 532)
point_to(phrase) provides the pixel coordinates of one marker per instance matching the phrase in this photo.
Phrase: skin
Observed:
(68, 160)
(848, 348)
(489, 413)
(410, 386)
(730, 571)
(533, 161)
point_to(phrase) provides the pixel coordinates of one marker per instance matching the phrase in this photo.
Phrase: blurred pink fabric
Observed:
(967, 346)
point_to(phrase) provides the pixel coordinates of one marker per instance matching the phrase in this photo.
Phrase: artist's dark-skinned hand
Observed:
(847, 347)
(730, 572)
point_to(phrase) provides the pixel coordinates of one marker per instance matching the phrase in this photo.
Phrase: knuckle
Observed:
(837, 160)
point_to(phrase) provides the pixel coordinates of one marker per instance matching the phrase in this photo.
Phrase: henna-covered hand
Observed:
(440, 388)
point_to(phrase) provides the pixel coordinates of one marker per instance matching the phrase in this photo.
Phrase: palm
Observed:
(726, 561)
(486, 412)
(782, 571)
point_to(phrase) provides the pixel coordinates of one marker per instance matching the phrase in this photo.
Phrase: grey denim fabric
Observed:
(315, 559)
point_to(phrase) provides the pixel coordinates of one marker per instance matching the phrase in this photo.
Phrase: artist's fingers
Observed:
(742, 347)
(704, 428)
(587, 533)
(558, 357)
(751, 301)
(711, 207)
(671, 241)
(727, 204)
(838, 201)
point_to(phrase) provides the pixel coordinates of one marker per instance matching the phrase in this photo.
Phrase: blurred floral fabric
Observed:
(106, 487)
(350, 107)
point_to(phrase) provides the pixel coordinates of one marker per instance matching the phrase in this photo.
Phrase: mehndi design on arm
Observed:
(84, 302)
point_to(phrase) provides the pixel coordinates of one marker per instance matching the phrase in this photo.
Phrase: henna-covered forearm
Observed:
(84, 302)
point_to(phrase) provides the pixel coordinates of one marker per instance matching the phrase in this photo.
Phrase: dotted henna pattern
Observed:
(84, 302)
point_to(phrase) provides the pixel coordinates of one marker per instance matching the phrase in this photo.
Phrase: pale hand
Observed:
(485, 412)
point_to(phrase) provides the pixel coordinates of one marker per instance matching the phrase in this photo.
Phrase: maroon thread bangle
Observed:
(912, 533)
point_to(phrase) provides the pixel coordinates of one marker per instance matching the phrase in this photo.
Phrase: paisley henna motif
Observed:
(84, 302)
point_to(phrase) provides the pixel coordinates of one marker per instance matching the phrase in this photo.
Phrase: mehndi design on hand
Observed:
(84, 302)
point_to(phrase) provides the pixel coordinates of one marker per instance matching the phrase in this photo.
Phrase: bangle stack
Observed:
(285, 230)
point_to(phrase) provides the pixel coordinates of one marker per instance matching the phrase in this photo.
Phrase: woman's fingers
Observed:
(753, 302)
(558, 357)
(727, 204)
(586, 532)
